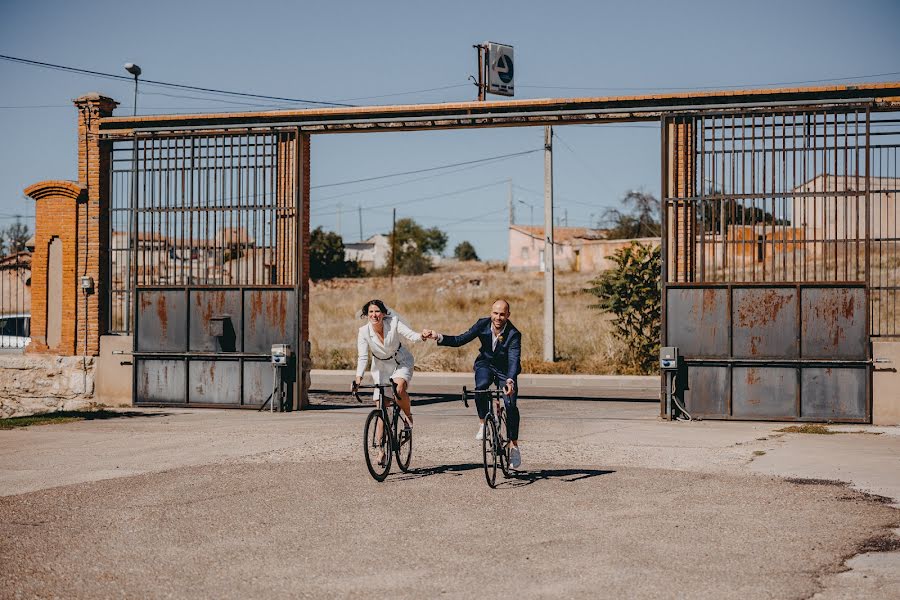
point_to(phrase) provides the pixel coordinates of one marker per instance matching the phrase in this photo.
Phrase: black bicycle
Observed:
(495, 441)
(385, 434)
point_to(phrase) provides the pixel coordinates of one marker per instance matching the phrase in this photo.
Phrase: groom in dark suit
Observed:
(498, 361)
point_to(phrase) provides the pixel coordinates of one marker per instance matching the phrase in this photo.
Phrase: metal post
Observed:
(549, 283)
(509, 203)
(359, 210)
(393, 245)
(135, 92)
(481, 60)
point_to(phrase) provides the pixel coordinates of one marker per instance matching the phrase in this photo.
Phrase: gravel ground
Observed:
(227, 504)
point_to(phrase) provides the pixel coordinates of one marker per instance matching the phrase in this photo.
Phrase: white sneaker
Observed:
(480, 435)
(515, 457)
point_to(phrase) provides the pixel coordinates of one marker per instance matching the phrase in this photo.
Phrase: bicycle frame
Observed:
(396, 441)
(493, 420)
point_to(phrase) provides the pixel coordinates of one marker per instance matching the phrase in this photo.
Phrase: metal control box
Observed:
(281, 353)
(668, 358)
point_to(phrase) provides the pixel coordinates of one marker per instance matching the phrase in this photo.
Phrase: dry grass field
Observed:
(449, 300)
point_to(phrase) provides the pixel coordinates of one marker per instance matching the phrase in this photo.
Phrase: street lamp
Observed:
(134, 70)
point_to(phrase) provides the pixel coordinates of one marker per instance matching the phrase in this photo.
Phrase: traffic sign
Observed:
(500, 69)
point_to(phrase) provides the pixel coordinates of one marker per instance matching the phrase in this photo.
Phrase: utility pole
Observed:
(339, 230)
(509, 203)
(549, 283)
(359, 209)
(393, 245)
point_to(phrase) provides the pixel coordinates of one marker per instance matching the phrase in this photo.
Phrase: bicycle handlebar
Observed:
(355, 387)
(496, 393)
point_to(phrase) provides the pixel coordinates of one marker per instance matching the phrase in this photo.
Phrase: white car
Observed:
(15, 330)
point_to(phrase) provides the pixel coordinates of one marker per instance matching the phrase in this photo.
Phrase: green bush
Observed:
(631, 293)
(465, 251)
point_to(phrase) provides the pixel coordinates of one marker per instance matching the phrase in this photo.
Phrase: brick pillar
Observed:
(56, 221)
(93, 221)
(288, 242)
(682, 220)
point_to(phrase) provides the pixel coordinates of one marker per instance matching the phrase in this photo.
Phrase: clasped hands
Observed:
(429, 334)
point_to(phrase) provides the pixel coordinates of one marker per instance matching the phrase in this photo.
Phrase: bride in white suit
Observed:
(390, 360)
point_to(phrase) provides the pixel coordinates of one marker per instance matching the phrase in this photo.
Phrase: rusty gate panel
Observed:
(216, 320)
(834, 394)
(214, 382)
(706, 392)
(698, 321)
(764, 392)
(270, 318)
(258, 382)
(160, 381)
(834, 323)
(163, 321)
(207, 234)
(781, 219)
(764, 322)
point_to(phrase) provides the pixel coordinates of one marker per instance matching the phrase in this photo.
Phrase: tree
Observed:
(13, 238)
(465, 251)
(640, 219)
(411, 245)
(631, 293)
(326, 257)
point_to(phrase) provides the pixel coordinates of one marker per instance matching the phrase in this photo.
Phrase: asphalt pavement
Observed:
(610, 502)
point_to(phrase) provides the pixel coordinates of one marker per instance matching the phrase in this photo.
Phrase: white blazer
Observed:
(390, 349)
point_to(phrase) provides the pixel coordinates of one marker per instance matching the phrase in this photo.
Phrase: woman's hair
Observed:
(365, 308)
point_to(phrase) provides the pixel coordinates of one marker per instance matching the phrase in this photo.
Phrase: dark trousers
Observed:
(484, 377)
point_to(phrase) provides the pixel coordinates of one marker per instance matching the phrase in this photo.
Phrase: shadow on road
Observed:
(520, 478)
(321, 401)
(455, 470)
(516, 478)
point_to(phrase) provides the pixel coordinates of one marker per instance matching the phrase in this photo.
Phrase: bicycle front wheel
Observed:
(377, 445)
(503, 444)
(490, 451)
(403, 438)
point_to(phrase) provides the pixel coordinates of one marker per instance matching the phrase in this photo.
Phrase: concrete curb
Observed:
(597, 387)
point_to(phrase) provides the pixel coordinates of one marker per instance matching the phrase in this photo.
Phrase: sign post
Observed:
(496, 70)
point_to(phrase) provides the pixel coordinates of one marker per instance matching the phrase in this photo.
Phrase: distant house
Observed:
(576, 248)
(371, 254)
(841, 214)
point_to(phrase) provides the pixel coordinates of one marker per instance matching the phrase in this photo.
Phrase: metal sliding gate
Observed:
(781, 258)
(204, 263)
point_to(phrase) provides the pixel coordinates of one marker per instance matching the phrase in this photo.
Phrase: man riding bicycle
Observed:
(498, 362)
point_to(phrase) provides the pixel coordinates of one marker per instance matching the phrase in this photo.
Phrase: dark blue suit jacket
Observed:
(506, 358)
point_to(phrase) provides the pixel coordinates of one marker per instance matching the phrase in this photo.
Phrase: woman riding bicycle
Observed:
(390, 360)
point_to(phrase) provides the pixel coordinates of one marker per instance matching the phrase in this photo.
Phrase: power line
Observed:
(420, 199)
(46, 65)
(468, 162)
(484, 162)
(434, 89)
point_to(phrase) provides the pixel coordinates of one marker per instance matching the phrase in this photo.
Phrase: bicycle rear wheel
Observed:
(503, 444)
(403, 438)
(490, 451)
(377, 446)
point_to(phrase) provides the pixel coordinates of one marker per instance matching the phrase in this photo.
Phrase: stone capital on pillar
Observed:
(98, 104)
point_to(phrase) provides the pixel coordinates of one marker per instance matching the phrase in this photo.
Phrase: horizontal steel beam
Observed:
(460, 115)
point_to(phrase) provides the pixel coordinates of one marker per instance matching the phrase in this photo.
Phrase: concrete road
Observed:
(610, 503)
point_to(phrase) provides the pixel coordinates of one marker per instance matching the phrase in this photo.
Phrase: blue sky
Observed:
(374, 52)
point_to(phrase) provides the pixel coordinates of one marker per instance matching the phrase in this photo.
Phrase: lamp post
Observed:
(134, 70)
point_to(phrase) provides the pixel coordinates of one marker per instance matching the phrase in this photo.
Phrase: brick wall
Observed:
(56, 213)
